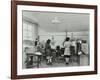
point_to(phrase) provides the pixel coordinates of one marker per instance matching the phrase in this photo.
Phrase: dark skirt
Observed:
(48, 52)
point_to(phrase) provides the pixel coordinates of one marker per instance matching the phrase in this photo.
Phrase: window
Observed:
(28, 30)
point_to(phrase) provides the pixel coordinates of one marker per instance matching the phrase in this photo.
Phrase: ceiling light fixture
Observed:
(55, 20)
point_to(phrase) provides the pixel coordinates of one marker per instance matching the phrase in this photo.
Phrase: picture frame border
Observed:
(14, 38)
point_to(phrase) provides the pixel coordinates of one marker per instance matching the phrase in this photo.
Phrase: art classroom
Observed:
(54, 39)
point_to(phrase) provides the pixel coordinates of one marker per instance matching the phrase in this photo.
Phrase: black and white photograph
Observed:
(55, 39)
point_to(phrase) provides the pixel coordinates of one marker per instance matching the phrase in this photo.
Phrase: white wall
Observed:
(5, 41)
(59, 37)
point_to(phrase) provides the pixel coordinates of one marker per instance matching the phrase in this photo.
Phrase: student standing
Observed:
(67, 44)
(48, 52)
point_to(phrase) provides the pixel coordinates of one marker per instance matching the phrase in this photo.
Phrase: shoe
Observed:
(50, 63)
(67, 63)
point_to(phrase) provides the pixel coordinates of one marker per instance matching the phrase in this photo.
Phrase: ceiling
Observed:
(68, 21)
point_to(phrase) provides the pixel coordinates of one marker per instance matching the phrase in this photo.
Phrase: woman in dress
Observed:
(67, 54)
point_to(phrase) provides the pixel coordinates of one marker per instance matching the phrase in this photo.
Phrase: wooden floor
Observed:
(83, 61)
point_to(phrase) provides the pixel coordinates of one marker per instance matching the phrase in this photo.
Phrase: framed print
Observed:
(53, 39)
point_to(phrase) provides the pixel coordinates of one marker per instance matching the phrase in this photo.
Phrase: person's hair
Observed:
(67, 39)
(48, 41)
(58, 47)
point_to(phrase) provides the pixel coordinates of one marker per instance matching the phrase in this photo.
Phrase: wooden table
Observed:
(33, 59)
